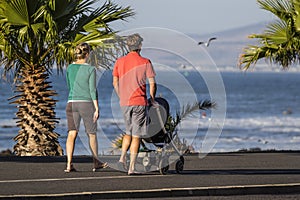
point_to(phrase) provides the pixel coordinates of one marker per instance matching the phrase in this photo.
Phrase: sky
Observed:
(193, 16)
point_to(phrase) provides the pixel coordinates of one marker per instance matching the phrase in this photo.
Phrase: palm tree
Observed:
(280, 42)
(35, 36)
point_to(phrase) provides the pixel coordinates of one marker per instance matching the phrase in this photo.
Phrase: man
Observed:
(129, 80)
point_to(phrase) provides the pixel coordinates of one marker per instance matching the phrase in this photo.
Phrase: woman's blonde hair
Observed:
(82, 50)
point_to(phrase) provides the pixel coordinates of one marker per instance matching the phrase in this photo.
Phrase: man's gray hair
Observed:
(134, 41)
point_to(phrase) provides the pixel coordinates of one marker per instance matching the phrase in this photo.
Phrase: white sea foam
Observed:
(258, 132)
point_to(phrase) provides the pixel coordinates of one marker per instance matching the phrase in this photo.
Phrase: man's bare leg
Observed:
(134, 148)
(125, 146)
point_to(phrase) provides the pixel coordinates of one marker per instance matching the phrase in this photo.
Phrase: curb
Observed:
(268, 189)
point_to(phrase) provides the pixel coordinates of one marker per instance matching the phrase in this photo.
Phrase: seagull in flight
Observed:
(208, 42)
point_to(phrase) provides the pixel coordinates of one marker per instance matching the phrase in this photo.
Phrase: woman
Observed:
(82, 103)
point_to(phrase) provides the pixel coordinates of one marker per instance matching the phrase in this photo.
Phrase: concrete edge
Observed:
(268, 189)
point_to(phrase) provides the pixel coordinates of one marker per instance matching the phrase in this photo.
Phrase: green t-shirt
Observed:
(81, 80)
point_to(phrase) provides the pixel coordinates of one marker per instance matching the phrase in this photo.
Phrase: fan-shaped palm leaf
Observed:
(281, 9)
(280, 42)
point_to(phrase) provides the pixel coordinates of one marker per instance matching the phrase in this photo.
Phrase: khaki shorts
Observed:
(135, 120)
(77, 110)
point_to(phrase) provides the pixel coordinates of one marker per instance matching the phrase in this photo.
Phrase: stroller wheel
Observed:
(182, 159)
(179, 166)
(163, 167)
(147, 168)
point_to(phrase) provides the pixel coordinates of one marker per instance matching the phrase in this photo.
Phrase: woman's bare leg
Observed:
(70, 145)
(93, 142)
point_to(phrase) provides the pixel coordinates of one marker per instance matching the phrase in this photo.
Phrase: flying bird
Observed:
(208, 42)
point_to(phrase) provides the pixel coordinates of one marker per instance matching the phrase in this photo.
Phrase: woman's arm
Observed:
(94, 94)
(97, 111)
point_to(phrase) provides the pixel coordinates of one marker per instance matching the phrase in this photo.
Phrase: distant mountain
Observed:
(224, 51)
(229, 45)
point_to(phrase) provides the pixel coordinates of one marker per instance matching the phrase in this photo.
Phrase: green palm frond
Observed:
(297, 14)
(280, 42)
(16, 12)
(276, 33)
(189, 109)
(106, 14)
(117, 143)
(95, 30)
(250, 56)
(280, 8)
(50, 30)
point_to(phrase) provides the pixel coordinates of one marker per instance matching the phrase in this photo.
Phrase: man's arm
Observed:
(152, 90)
(116, 85)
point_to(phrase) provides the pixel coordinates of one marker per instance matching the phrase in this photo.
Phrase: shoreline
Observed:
(9, 153)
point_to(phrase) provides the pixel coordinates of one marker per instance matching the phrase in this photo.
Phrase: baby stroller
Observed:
(166, 151)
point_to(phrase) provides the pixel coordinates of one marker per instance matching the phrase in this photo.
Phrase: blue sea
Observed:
(262, 111)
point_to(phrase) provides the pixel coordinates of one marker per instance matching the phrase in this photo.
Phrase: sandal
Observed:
(72, 169)
(100, 166)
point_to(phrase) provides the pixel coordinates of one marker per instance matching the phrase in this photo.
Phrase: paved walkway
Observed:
(215, 174)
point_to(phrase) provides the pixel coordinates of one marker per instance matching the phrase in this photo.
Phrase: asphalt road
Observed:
(215, 175)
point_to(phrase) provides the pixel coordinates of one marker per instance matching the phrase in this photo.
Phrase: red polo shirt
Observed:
(133, 71)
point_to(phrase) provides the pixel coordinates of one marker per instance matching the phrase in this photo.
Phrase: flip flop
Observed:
(101, 166)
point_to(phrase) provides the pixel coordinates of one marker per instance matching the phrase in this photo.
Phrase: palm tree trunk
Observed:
(36, 115)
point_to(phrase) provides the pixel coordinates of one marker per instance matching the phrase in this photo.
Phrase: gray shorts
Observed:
(135, 120)
(77, 110)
